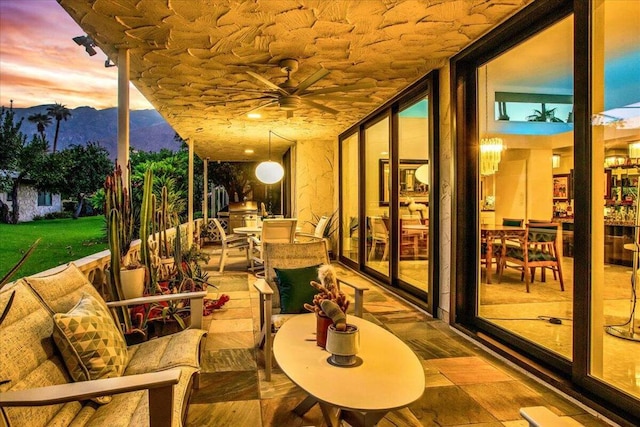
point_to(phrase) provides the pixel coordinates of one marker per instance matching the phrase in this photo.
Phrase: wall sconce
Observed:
(555, 161)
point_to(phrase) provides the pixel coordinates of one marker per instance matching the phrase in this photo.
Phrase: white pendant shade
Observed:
(422, 174)
(269, 172)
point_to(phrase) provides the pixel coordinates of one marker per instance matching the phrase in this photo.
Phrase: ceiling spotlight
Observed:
(87, 42)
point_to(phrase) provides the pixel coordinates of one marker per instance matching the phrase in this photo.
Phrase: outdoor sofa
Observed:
(36, 384)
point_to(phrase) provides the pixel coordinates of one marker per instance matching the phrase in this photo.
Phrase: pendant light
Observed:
(490, 148)
(269, 172)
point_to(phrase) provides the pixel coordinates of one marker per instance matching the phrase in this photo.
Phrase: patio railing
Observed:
(95, 266)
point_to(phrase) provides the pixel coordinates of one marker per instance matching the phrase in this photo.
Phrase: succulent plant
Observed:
(329, 291)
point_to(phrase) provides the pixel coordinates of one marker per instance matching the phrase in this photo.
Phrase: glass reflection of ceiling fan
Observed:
(288, 97)
(627, 117)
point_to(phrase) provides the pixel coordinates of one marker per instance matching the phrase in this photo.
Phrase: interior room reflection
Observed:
(527, 166)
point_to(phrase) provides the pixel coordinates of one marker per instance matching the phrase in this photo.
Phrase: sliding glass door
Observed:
(615, 147)
(525, 122)
(376, 189)
(414, 181)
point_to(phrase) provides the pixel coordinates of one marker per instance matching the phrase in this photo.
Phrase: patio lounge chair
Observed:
(288, 256)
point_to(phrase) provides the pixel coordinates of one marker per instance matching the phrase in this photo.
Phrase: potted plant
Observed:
(329, 291)
(120, 231)
(172, 316)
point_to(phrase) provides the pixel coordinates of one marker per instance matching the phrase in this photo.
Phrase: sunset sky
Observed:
(41, 64)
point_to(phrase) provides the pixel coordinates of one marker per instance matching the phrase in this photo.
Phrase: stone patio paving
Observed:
(465, 385)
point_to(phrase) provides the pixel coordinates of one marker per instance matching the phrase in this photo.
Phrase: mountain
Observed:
(148, 130)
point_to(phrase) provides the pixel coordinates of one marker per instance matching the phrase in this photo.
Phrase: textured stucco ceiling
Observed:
(188, 57)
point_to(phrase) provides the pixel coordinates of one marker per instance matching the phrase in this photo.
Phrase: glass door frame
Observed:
(426, 87)
(581, 385)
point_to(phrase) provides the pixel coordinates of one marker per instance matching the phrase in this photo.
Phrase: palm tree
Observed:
(58, 112)
(41, 120)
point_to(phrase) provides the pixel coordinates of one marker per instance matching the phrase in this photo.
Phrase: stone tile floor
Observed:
(465, 385)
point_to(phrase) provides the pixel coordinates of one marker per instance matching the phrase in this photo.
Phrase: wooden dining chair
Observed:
(537, 248)
(411, 238)
(379, 235)
(498, 248)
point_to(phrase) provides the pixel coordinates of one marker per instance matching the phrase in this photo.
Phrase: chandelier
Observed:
(490, 147)
(490, 155)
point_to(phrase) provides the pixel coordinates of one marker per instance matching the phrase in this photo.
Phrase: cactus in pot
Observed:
(331, 298)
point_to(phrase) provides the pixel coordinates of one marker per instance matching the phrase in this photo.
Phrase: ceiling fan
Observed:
(288, 96)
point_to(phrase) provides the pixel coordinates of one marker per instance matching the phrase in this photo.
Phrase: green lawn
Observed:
(63, 240)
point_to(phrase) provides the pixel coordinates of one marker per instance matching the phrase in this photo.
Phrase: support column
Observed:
(123, 112)
(205, 199)
(190, 198)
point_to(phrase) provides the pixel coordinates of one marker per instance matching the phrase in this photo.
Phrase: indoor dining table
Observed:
(489, 233)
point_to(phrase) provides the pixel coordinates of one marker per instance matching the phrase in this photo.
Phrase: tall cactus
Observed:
(163, 222)
(113, 229)
(146, 219)
(117, 197)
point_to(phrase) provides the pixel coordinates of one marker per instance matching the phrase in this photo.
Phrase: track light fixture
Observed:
(88, 44)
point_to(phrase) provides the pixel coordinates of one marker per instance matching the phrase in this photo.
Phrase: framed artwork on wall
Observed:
(561, 187)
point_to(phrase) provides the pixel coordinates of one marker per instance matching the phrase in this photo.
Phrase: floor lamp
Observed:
(626, 330)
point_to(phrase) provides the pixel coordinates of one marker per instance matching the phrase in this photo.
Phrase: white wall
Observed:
(28, 203)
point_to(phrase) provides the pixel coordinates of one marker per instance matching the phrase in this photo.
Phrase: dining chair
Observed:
(537, 248)
(230, 242)
(498, 248)
(290, 256)
(318, 232)
(379, 235)
(411, 238)
(280, 230)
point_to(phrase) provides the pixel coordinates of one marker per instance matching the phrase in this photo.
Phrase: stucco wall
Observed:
(313, 190)
(28, 203)
(446, 196)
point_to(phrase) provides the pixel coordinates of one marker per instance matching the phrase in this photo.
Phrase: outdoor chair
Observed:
(281, 230)
(290, 256)
(318, 232)
(230, 242)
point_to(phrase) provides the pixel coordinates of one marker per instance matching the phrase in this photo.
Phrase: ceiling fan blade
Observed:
(343, 98)
(267, 82)
(260, 107)
(239, 100)
(319, 106)
(313, 78)
(236, 89)
(357, 86)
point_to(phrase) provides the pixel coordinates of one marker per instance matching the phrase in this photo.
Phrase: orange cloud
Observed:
(41, 64)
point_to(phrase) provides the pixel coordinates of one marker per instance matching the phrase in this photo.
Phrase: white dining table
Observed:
(254, 230)
(248, 230)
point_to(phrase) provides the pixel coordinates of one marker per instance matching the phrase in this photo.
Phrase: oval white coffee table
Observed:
(390, 376)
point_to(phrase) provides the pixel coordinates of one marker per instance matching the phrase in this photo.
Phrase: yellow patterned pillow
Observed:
(90, 342)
